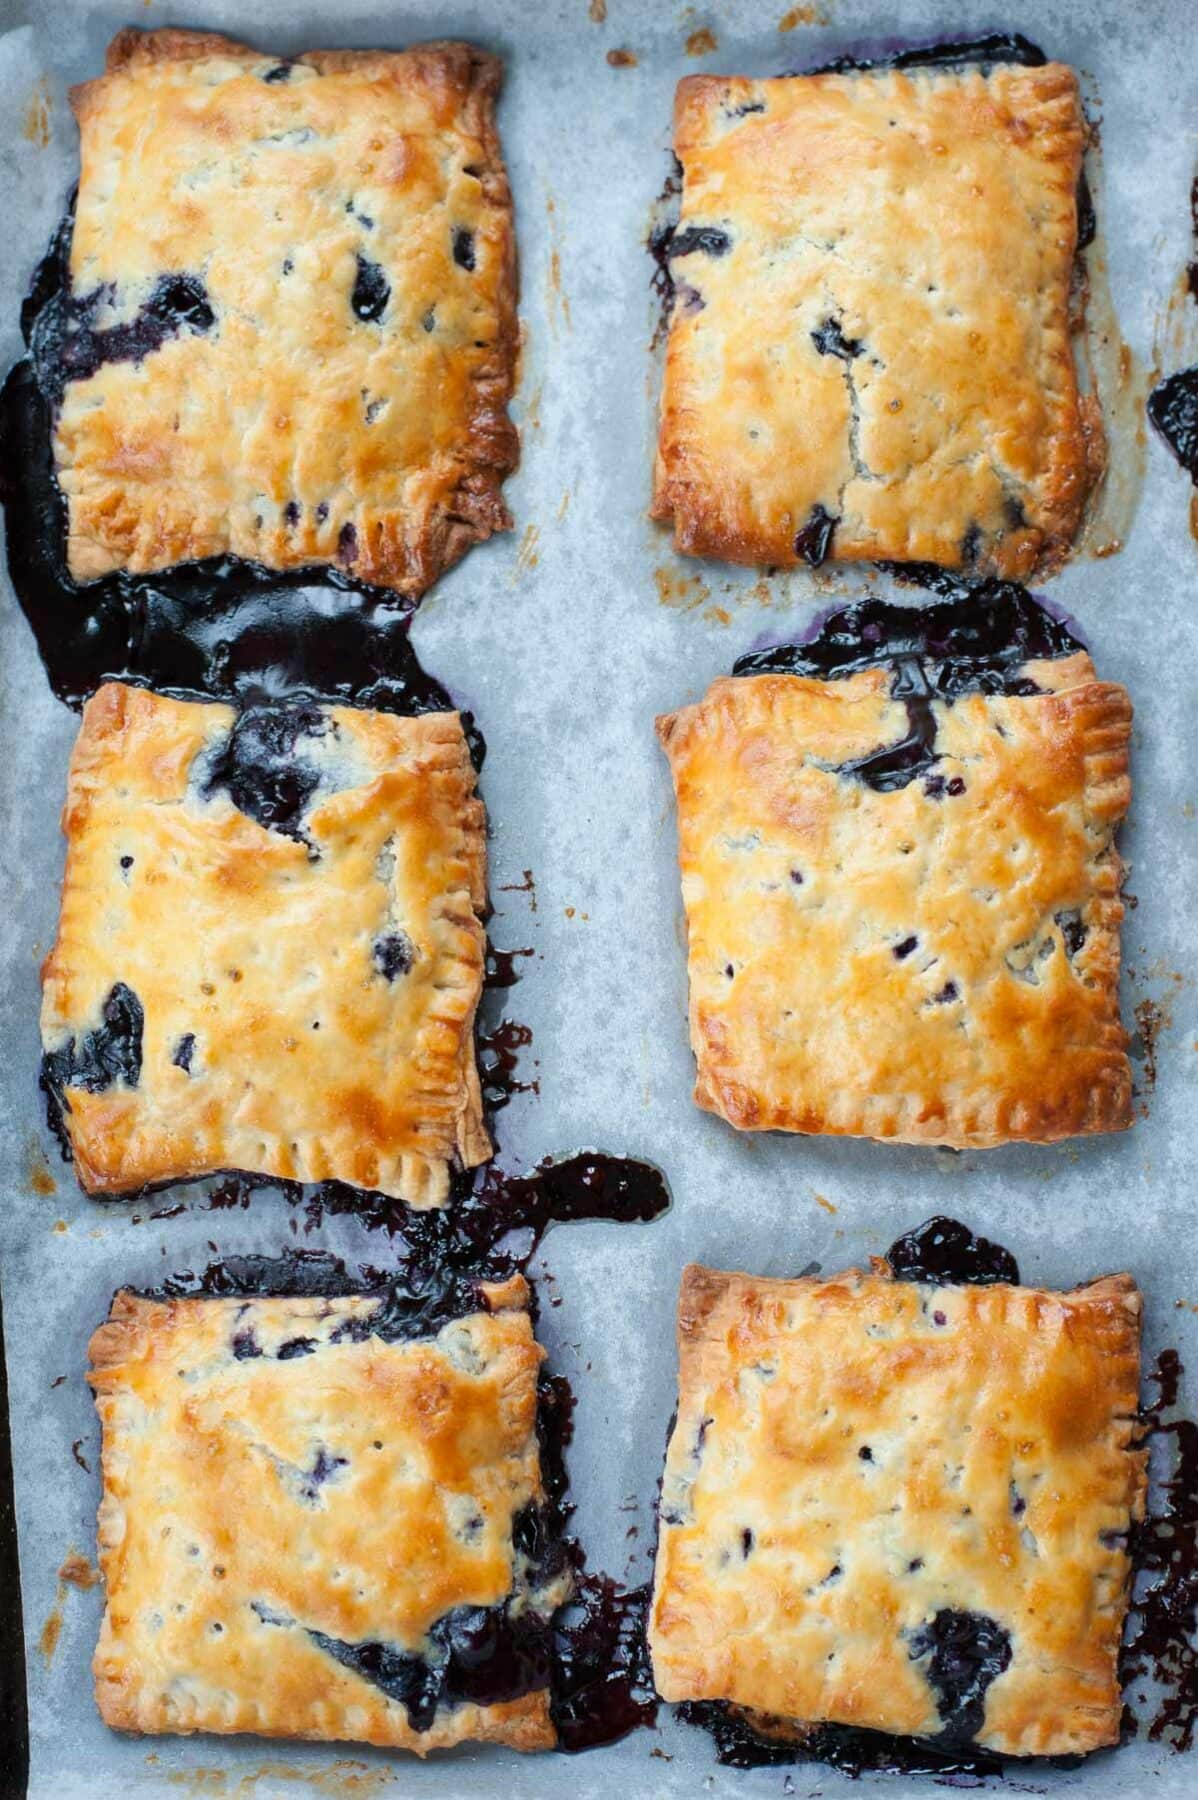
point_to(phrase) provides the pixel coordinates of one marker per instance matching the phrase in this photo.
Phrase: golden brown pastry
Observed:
(902, 1506)
(294, 297)
(896, 937)
(309, 1521)
(869, 352)
(269, 954)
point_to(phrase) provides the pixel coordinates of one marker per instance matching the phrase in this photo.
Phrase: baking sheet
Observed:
(566, 638)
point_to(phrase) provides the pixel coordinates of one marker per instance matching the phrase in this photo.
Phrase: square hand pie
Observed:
(312, 1528)
(902, 896)
(869, 353)
(902, 1507)
(269, 955)
(292, 332)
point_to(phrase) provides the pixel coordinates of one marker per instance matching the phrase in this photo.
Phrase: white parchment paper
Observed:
(566, 638)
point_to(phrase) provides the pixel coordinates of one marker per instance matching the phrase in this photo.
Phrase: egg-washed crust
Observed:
(308, 1063)
(931, 217)
(293, 432)
(899, 965)
(970, 1401)
(210, 1504)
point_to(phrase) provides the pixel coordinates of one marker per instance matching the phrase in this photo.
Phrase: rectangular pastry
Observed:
(292, 328)
(901, 885)
(901, 1506)
(314, 1524)
(269, 954)
(869, 352)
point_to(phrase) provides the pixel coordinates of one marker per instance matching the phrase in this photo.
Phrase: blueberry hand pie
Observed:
(316, 1523)
(900, 880)
(269, 954)
(901, 1506)
(869, 353)
(291, 333)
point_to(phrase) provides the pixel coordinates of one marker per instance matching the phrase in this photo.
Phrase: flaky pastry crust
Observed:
(883, 345)
(853, 1455)
(927, 966)
(276, 1037)
(295, 429)
(254, 1495)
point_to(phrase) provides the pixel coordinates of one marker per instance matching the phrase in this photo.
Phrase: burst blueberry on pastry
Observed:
(901, 883)
(269, 953)
(901, 1506)
(320, 1518)
(291, 332)
(869, 352)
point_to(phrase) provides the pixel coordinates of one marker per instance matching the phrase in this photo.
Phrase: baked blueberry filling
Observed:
(591, 1653)
(183, 1052)
(1073, 931)
(324, 1468)
(463, 247)
(943, 1252)
(178, 302)
(935, 652)
(747, 1740)
(371, 292)
(829, 340)
(708, 240)
(602, 1678)
(963, 1652)
(483, 1655)
(666, 241)
(259, 767)
(952, 53)
(1173, 409)
(814, 541)
(103, 1058)
(393, 955)
(224, 628)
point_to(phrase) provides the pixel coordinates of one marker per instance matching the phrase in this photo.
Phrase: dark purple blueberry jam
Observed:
(222, 629)
(261, 768)
(1161, 1644)
(1173, 402)
(946, 1253)
(963, 1653)
(1173, 409)
(499, 1062)
(602, 1685)
(591, 1654)
(706, 240)
(501, 966)
(101, 1059)
(951, 53)
(393, 955)
(371, 292)
(935, 652)
(829, 340)
(853, 1752)
(813, 542)
(178, 303)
